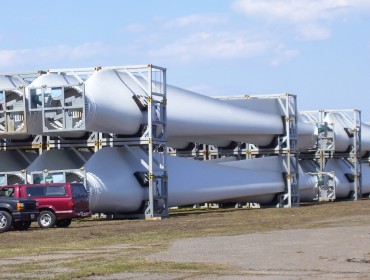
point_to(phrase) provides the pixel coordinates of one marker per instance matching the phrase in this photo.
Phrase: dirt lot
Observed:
(327, 241)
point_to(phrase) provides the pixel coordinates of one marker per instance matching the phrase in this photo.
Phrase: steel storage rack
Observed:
(286, 144)
(326, 149)
(71, 113)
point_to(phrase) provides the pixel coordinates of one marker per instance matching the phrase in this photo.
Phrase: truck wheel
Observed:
(6, 221)
(46, 219)
(22, 225)
(63, 222)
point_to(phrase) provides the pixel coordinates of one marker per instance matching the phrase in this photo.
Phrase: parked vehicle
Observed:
(57, 203)
(18, 213)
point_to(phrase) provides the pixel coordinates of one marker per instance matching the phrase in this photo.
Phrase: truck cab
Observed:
(18, 213)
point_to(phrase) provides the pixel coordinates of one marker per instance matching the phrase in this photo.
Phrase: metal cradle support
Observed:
(6, 178)
(286, 144)
(325, 148)
(288, 148)
(325, 186)
(13, 116)
(355, 154)
(157, 144)
(153, 139)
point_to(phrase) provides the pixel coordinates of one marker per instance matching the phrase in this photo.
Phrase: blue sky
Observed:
(316, 49)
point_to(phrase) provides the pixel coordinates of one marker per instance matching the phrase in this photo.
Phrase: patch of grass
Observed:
(86, 240)
(103, 266)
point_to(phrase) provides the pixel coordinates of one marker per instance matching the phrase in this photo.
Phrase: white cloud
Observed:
(135, 27)
(313, 31)
(310, 20)
(50, 55)
(212, 45)
(7, 58)
(212, 42)
(359, 4)
(281, 55)
(88, 50)
(290, 10)
(199, 20)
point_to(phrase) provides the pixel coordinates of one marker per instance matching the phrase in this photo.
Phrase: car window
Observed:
(55, 191)
(78, 190)
(35, 191)
(7, 192)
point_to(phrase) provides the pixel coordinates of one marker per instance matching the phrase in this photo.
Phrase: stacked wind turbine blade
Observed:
(109, 100)
(365, 139)
(276, 164)
(344, 132)
(13, 162)
(59, 160)
(342, 171)
(307, 134)
(365, 169)
(191, 181)
(191, 117)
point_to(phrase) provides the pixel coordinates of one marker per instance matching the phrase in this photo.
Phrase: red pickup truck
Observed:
(58, 203)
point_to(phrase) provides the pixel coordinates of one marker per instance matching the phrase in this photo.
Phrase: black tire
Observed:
(6, 221)
(22, 225)
(46, 219)
(63, 223)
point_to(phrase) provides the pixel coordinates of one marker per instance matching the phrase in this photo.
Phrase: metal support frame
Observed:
(13, 116)
(12, 112)
(61, 109)
(237, 150)
(208, 152)
(152, 80)
(5, 177)
(325, 148)
(157, 144)
(53, 103)
(35, 142)
(91, 142)
(355, 154)
(59, 176)
(287, 145)
(68, 113)
(325, 186)
(196, 150)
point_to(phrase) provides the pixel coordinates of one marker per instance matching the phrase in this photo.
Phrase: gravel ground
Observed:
(328, 241)
(324, 253)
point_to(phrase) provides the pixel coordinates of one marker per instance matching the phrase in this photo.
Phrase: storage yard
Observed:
(65, 125)
(327, 241)
(144, 149)
(185, 140)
